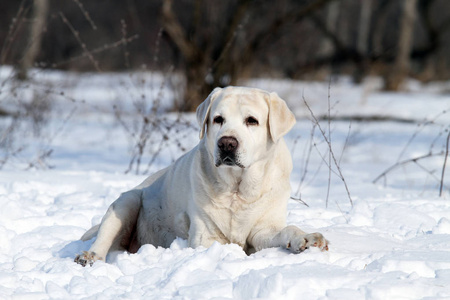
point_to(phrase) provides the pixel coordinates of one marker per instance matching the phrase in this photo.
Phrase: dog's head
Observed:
(242, 124)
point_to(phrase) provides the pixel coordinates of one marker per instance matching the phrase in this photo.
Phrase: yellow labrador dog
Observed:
(233, 187)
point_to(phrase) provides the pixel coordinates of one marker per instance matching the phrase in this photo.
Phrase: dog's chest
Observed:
(233, 218)
(235, 202)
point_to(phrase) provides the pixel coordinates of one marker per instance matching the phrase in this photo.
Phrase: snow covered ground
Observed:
(393, 243)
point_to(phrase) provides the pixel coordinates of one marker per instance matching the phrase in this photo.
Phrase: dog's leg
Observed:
(115, 229)
(290, 237)
(200, 234)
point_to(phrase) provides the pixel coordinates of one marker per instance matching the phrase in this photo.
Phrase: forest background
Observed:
(217, 43)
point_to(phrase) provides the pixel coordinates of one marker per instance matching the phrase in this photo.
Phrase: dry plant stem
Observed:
(444, 165)
(305, 166)
(430, 172)
(300, 200)
(420, 127)
(151, 127)
(98, 50)
(82, 44)
(329, 140)
(86, 14)
(44, 154)
(341, 176)
(7, 142)
(404, 162)
(126, 53)
(325, 161)
(306, 162)
(157, 46)
(346, 142)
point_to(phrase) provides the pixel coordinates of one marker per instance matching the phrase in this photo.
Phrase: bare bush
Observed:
(27, 106)
(434, 152)
(150, 128)
(26, 135)
(330, 159)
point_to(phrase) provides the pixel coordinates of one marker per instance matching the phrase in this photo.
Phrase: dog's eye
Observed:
(218, 120)
(250, 121)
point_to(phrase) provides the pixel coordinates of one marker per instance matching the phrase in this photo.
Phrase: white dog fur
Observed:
(233, 187)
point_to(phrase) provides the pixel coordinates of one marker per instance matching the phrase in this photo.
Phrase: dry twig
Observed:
(76, 34)
(330, 148)
(86, 14)
(404, 162)
(444, 165)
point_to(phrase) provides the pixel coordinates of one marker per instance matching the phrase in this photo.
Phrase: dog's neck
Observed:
(248, 183)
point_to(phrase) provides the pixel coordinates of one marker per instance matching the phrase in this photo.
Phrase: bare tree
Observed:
(327, 47)
(215, 43)
(37, 27)
(401, 67)
(364, 26)
(218, 54)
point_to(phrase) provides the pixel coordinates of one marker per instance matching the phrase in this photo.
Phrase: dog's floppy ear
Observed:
(203, 112)
(281, 118)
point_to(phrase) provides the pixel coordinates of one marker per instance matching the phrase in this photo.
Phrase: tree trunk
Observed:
(217, 62)
(362, 46)
(380, 24)
(197, 87)
(401, 67)
(328, 47)
(37, 27)
(364, 26)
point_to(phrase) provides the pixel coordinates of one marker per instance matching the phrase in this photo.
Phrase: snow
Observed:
(393, 243)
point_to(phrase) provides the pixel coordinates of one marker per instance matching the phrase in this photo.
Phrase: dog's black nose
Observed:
(228, 144)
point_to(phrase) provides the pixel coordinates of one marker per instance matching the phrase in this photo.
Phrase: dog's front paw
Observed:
(86, 258)
(302, 242)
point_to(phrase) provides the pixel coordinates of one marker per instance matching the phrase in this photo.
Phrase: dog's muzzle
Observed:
(228, 146)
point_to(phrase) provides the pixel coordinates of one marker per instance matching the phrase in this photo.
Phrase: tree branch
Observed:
(278, 23)
(236, 22)
(404, 162)
(177, 34)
